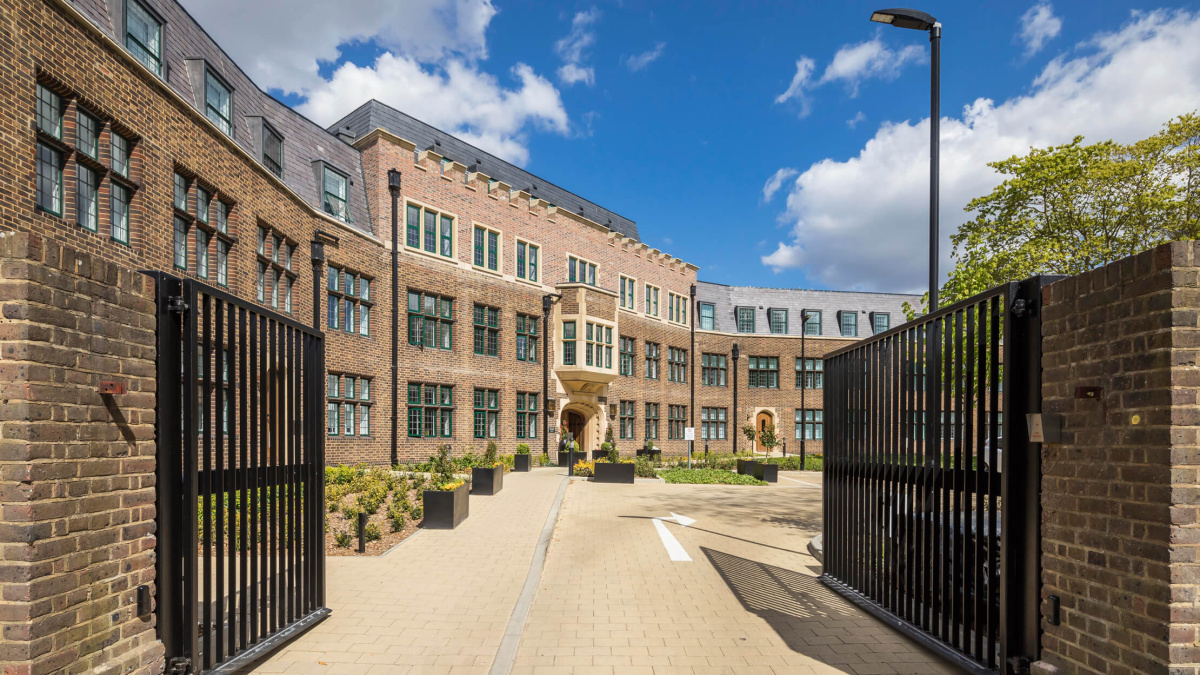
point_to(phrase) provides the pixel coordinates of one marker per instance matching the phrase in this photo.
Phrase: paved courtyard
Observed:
(608, 599)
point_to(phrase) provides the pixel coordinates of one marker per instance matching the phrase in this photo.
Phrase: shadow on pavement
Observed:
(795, 605)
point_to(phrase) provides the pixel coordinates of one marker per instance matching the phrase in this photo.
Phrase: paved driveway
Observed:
(608, 598)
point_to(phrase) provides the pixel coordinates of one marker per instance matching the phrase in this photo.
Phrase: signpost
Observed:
(689, 435)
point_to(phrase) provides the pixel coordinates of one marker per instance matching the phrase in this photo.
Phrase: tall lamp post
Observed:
(736, 429)
(394, 188)
(917, 20)
(803, 384)
(548, 301)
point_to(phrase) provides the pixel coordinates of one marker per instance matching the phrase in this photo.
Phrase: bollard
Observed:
(362, 532)
(785, 450)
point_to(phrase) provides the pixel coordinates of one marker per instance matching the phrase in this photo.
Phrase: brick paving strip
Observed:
(440, 602)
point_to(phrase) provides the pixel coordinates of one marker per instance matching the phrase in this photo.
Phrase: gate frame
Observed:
(177, 610)
(1020, 476)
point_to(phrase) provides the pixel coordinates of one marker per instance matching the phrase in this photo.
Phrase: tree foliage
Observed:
(1070, 208)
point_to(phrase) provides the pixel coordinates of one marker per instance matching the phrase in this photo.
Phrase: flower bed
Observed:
(393, 505)
(707, 477)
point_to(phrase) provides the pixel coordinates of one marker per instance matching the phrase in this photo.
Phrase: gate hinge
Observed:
(1021, 307)
(180, 665)
(175, 303)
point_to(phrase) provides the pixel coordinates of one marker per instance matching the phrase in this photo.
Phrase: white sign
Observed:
(675, 550)
(689, 433)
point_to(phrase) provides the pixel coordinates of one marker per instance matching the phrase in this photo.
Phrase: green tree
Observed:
(1070, 208)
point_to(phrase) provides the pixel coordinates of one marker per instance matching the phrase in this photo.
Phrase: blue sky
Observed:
(678, 116)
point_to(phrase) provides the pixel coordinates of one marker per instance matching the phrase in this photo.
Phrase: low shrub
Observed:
(792, 463)
(707, 477)
(644, 468)
(585, 468)
(543, 460)
(350, 512)
(372, 532)
(417, 513)
(522, 448)
(342, 539)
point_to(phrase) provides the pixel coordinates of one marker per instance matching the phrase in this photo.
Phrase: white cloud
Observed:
(776, 181)
(795, 91)
(637, 62)
(573, 47)
(1039, 26)
(871, 59)
(280, 43)
(456, 97)
(862, 222)
(854, 121)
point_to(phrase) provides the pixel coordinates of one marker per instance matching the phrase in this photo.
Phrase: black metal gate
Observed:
(931, 515)
(240, 415)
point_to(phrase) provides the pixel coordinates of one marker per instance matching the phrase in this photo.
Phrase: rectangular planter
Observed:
(613, 473)
(746, 467)
(487, 481)
(445, 510)
(652, 454)
(579, 457)
(598, 454)
(767, 472)
(522, 462)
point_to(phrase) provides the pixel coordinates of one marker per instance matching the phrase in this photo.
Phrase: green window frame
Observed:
(745, 319)
(627, 292)
(49, 180)
(272, 150)
(652, 356)
(335, 196)
(487, 330)
(487, 413)
(713, 370)
(527, 260)
(568, 343)
(581, 271)
(430, 320)
(849, 323)
(713, 424)
(810, 425)
(427, 228)
(333, 425)
(651, 300)
(651, 421)
(181, 243)
(87, 198)
(778, 320)
(202, 240)
(527, 340)
(49, 112)
(881, 326)
(486, 249)
(119, 147)
(218, 102)
(87, 134)
(143, 36)
(119, 213)
(708, 316)
(527, 415)
(676, 421)
(812, 324)
(625, 418)
(625, 358)
(676, 365)
(222, 263)
(430, 410)
(763, 372)
(181, 192)
(811, 374)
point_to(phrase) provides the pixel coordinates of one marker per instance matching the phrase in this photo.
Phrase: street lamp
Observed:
(736, 429)
(548, 301)
(394, 188)
(916, 20)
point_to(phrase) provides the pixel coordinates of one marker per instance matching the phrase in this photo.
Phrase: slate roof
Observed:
(726, 300)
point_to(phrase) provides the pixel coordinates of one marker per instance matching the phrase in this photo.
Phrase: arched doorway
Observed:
(760, 422)
(575, 425)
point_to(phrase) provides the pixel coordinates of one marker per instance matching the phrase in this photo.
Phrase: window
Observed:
(87, 198)
(676, 421)
(119, 213)
(812, 322)
(424, 232)
(487, 249)
(223, 263)
(676, 364)
(272, 151)
(49, 112)
(568, 343)
(353, 400)
(745, 319)
(626, 357)
(143, 36)
(527, 415)
(651, 421)
(810, 373)
(598, 345)
(119, 146)
(676, 308)
(218, 103)
(712, 424)
(810, 423)
(581, 271)
(627, 292)
(222, 217)
(430, 320)
(527, 261)
(49, 179)
(260, 294)
(202, 254)
(203, 201)
(651, 300)
(626, 420)
(335, 195)
(764, 372)
(487, 330)
(343, 288)
(430, 410)
(882, 321)
(712, 370)
(181, 234)
(487, 413)
(708, 316)
(333, 414)
(527, 341)
(87, 135)
(849, 324)
(779, 321)
(651, 361)
(181, 192)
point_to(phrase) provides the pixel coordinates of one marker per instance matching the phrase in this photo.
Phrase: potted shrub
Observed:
(746, 466)
(521, 460)
(489, 478)
(649, 450)
(564, 455)
(446, 501)
(767, 470)
(602, 452)
(613, 469)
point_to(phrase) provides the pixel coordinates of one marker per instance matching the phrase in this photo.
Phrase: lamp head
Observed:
(904, 18)
(393, 180)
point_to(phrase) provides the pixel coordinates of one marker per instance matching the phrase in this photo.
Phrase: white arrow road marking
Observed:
(674, 548)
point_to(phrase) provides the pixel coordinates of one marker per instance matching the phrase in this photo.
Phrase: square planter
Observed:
(652, 454)
(522, 462)
(445, 510)
(598, 454)
(563, 461)
(487, 481)
(746, 467)
(767, 472)
(613, 473)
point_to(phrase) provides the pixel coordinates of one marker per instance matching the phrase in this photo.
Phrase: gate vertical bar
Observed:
(188, 523)
(243, 466)
(217, 431)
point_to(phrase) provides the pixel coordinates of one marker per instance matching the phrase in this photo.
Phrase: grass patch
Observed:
(707, 477)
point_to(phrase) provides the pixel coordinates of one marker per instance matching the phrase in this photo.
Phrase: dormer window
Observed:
(218, 102)
(143, 36)
(272, 150)
(335, 194)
